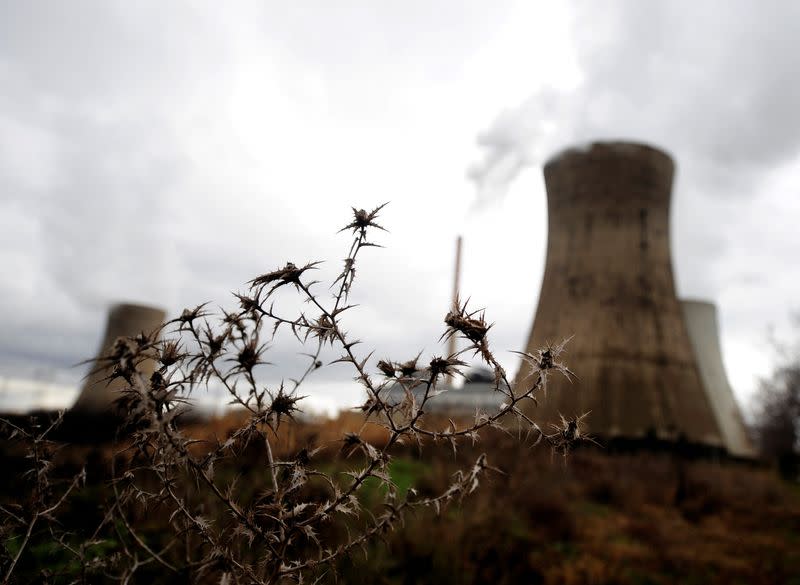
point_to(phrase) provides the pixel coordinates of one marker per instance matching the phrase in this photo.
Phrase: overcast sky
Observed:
(165, 153)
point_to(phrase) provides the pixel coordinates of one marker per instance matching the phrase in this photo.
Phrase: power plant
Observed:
(124, 320)
(608, 281)
(647, 364)
(701, 320)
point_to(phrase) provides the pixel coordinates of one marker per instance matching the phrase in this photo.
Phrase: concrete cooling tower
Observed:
(124, 320)
(701, 320)
(608, 281)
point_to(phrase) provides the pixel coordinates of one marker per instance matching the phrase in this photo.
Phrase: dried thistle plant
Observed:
(36, 508)
(286, 518)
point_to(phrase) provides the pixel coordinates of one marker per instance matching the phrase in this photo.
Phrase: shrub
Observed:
(233, 509)
(777, 422)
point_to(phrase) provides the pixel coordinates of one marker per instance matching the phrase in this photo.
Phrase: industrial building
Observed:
(647, 364)
(608, 281)
(476, 394)
(124, 320)
(703, 326)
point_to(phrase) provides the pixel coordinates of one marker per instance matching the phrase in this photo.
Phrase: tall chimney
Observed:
(124, 320)
(701, 320)
(451, 346)
(608, 281)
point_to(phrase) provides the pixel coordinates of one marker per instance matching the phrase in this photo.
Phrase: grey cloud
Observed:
(87, 197)
(93, 120)
(104, 50)
(517, 139)
(116, 116)
(714, 82)
(354, 37)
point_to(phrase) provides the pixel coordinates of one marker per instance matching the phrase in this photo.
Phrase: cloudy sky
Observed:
(165, 153)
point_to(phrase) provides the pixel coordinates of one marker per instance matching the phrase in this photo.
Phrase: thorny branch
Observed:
(293, 525)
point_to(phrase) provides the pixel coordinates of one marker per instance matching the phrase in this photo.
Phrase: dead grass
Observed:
(599, 518)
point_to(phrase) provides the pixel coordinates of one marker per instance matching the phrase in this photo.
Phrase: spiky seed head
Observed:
(387, 368)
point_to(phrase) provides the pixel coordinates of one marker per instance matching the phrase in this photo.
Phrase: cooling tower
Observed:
(124, 320)
(608, 281)
(701, 321)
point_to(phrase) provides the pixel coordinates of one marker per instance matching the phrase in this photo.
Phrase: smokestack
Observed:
(703, 326)
(124, 320)
(451, 346)
(608, 281)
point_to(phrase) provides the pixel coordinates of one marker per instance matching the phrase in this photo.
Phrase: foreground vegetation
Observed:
(601, 517)
(375, 496)
(228, 508)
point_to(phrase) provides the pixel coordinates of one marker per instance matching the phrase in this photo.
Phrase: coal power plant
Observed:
(648, 365)
(642, 372)
(124, 320)
(701, 319)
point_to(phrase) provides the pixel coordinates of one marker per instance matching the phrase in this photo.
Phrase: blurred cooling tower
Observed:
(701, 320)
(608, 281)
(124, 320)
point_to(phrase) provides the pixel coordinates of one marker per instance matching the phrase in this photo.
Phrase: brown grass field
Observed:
(595, 517)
